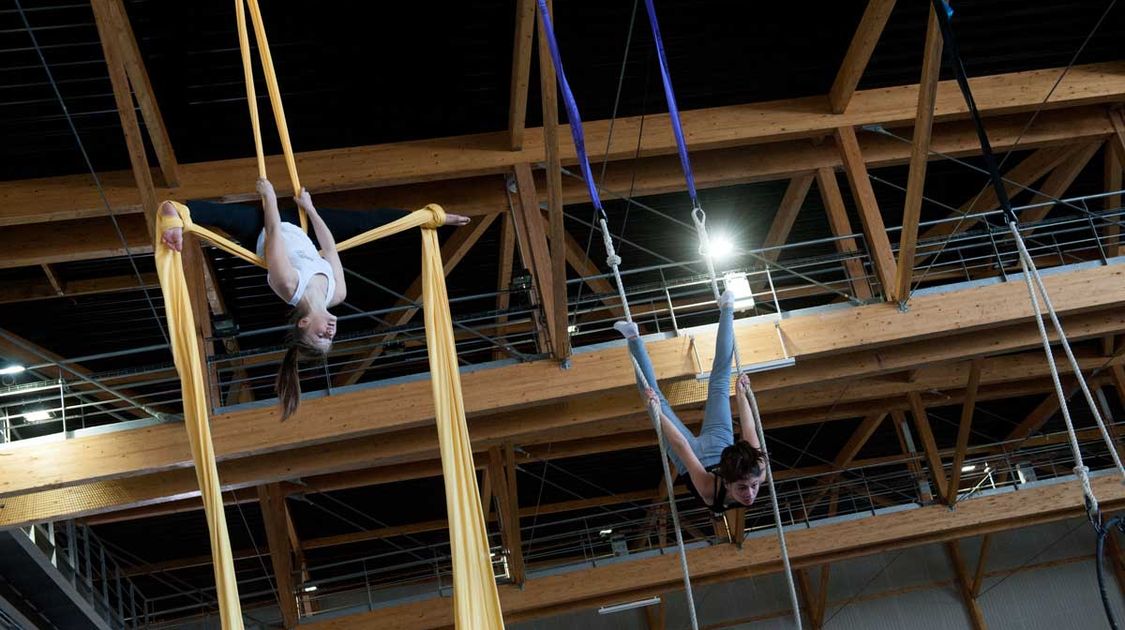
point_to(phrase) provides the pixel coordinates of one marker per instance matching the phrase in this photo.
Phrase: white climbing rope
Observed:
(700, 219)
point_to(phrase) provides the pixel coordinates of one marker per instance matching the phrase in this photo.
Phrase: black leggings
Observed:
(245, 223)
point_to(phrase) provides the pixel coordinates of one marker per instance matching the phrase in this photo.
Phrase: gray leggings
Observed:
(717, 432)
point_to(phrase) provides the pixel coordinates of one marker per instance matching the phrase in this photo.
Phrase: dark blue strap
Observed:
(673, 109)
(943, 12)
(571, 108)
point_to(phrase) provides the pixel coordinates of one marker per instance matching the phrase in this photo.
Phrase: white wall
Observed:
(1063, 594)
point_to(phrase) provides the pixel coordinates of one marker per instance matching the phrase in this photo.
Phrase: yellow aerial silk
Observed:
(475, 600)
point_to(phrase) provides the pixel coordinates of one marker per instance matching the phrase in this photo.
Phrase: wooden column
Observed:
(919, 156)
(875, 233)
(972, 609)
(841, 227)
(963, 430)
(556, 270)
(859, 52)
(521, 71)
(274, 513)
(531, 234)
(929, 446)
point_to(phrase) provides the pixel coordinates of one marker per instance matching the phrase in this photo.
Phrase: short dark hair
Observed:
(740, 461)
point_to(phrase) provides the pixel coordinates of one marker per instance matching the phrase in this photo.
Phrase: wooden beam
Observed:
(848, 452)
(386, 452)
(453, 251)
(1059, 181)
(502, 472)
(1044, 411)
(560, 339)
(842, 230)
(963, 431)
(194, 262)
(123, 97)
(25, 291)
(656, 616)
(807, 547)
(344, 417)
(874, 232)
(1112, 181)
(52, 279)
(521, 71)
(531, 234)
(1030, 170)
(413, 162)
(929, 446)
(791, 203)
(142, 89)
(965, 586)
(982, 563)
(919, 156)
(578, 260)
(867, 34)
(275, 515)
(68, 239)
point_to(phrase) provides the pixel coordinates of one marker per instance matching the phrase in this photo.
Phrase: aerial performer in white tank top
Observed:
(308, 279)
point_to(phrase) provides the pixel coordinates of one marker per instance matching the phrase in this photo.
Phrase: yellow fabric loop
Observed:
(185, 353)
(274, 92)
(476, 601)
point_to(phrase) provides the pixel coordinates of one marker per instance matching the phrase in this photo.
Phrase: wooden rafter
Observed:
(963, 431)
(1112, 181)
(919, 157)
(69, 238)
(626, 581)
(791, 203)
(521, 71)
(934, 320)
(965, 586)
(1057, 183)
(531, 235)
(874, 232)
(142, 89)
(23, 291)
(502, 474)
(578, 260)
(1026, 173)
(859, 52)
(929, 446)
(104, 17)
(276, 517)
(556, 271)
(842, 229)
(395, 167)
(847, 454)
(453, 251)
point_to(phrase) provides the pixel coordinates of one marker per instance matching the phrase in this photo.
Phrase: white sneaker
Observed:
(726, 300)
(628, 330)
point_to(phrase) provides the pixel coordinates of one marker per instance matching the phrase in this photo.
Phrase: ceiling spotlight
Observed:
(721, 246)
(968, 468)
(12, 369)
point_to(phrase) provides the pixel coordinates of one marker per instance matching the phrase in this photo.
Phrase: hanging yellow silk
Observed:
(476, 601)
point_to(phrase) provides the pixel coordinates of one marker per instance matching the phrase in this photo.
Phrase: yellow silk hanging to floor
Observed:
(475, 598)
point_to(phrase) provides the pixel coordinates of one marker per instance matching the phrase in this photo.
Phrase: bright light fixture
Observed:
(736, 283)
(38, 415)
(721, 246)
(310, 588)
(12, 369)
(572, 329)
(607, 610)
(968, 468)
(605, 532)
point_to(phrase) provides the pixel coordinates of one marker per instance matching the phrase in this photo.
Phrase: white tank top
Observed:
(305, 259)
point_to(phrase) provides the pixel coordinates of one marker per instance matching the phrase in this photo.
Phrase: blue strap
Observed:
(571, 109)
(673, 109)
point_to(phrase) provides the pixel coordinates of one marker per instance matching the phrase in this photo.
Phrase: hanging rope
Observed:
(1037, 290)
(274, 93)
(699, 217)
(614, 262)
